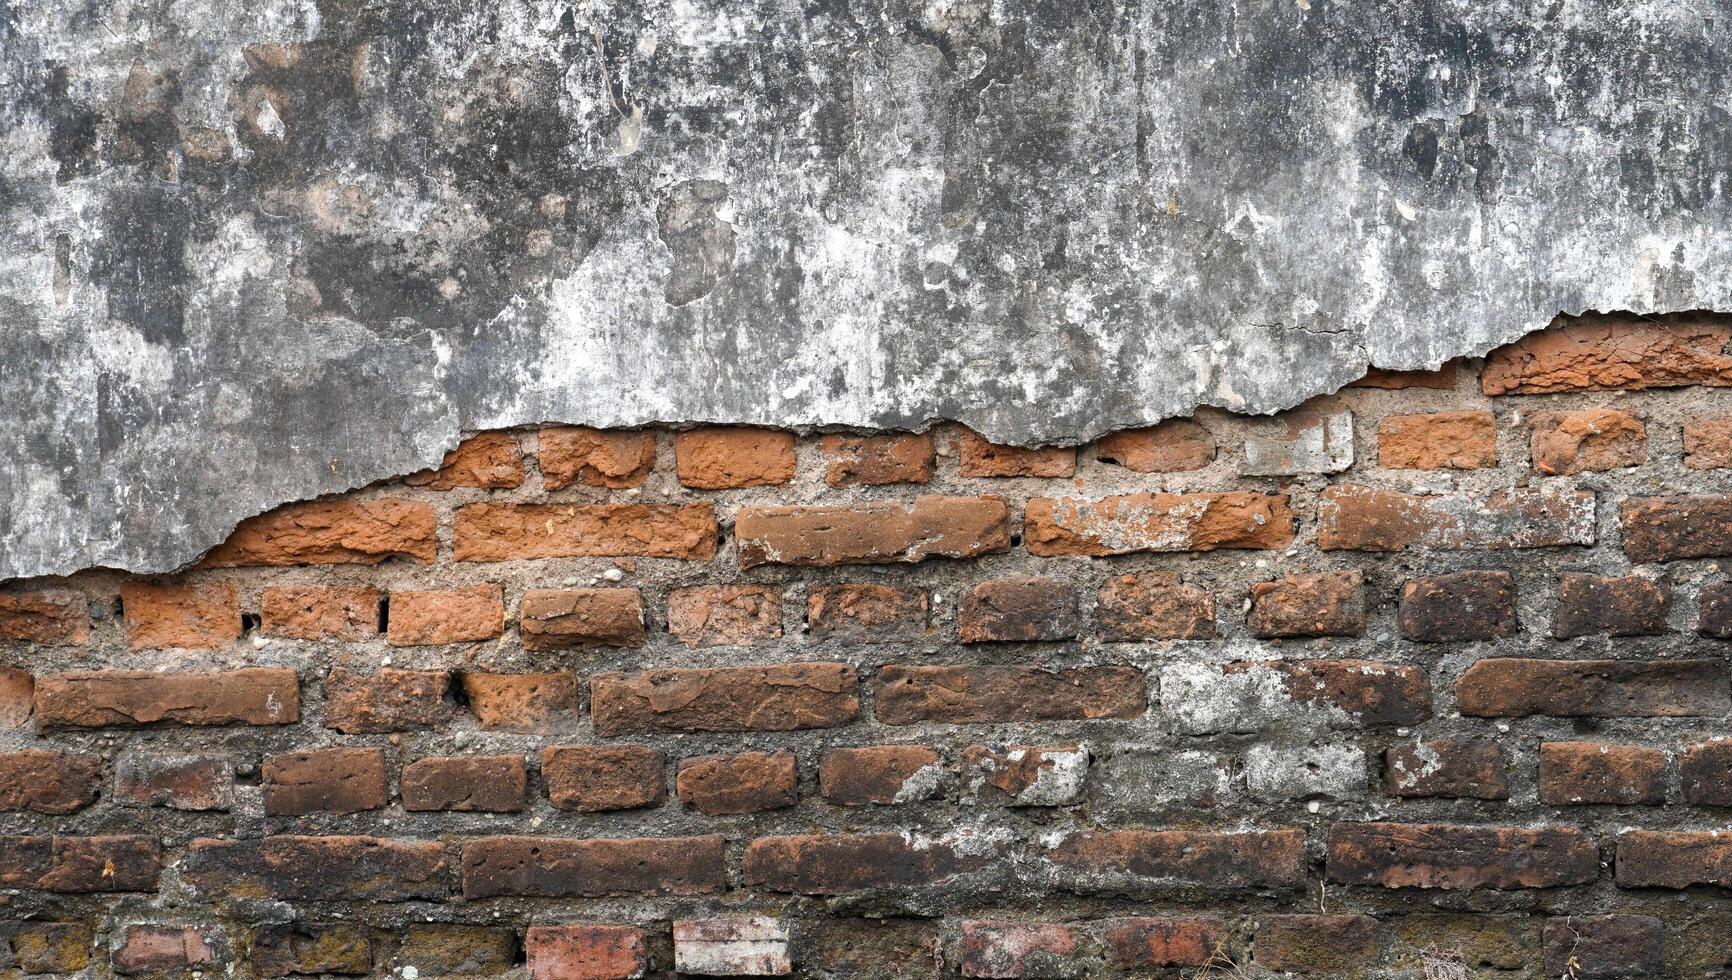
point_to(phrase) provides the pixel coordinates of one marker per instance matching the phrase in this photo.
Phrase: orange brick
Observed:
(1157, 522)
(870, 461)
(585, 952)
(614, 458)
(1174, 446)
(490, 460)
(982, 458)
(523, 702)
(435, 618)
(726, 457)
(509, 532)
(1441, 441)
(1708, 443)
(331, 532)
(1592, 353)
(48, 618)
(205, 616)
(314, 613)
(1587, 441)
(725, 615)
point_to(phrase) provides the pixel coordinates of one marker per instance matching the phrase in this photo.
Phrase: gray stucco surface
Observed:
(257, 251)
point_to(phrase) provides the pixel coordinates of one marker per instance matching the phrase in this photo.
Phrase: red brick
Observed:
(1594, 604)
(1153, 606)
(331, 532)
(573, 455)
(313, 613)
(1020, 949)
(1361, 519)
(1708, 443)
(1442, 379)
(839, 864)
(965, 695)
(1596, 439)
(390, 701)
(1471, 769)
(1016, 610)
(153, 949)
(880, 774)
(1594, 689)
(17, 697)
(1594, 772)
(1605, 947)
(125, 698)
(732, 946)
(477, 783)
(1705, 773)
(1441, 441)
(289, 868)
(559, 619)
(981, 458)
(1317, 604)
(725, 457)
(48, 782)
(725, 615)
(205, 616)
(553, 867)
(311, 948)
(1673, 859)
(1174, 446)
(871, 461)
(325, 781)
(596, 778)
(1670, 528)
(1459, 607)
(880, 532)
(585, 952)
(1332, 945)
(775, 698)
(489, 460)
(48, 618)
(750, 782)
(1157, 522)
(437, 618)
(861, 613)
(1116, 860)
(1593, 353)
(523, 702)
(1373, 693)
(1140, 943)
(1447, 856)
(179, 782)
(510, 532)
(80, 864)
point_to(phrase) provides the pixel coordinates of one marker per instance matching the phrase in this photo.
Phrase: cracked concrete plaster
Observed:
(258, 250)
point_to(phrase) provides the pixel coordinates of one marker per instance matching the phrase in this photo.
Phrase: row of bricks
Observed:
(593, 779)
(812, 695)
(289, 867)
(1150, 606)
(1302, 442)
(1582, 947)
(1349, 518)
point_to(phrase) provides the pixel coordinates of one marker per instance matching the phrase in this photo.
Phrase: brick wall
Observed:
(1428, 673)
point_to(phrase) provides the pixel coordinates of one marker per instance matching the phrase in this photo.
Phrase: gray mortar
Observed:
(254, 251)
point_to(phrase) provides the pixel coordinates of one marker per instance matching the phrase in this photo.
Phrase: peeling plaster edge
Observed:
(182, 559)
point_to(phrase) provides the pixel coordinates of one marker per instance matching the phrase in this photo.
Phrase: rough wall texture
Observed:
(1426, 679)
(253, 252)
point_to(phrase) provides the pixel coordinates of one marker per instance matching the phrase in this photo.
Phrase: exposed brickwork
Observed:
(1427, 674)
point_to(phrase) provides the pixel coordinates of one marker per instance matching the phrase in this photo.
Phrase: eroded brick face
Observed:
(1448, 650)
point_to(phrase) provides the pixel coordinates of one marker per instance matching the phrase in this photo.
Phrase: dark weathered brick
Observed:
(1605, 947)
(1715, 612)
(1451, 768)
(1673, 859)
(1594, 688)
(48, 782)
(594, 778)
(780, 697)
(1153, 606)
(325, 781)
(287, 867)
(1162, 941)
(1371, 693)
(553, 867)
(444, 949)
(1449, 856)
(1318, 604)
(838, 864)
(179, 782)
(971, 695)
(880, 774)
(1596, 604)
(311, 948)
(1595, 772)
(1331, 945)
(1705, 773)
(1022, 949)
(750, 782)
(1010, 610)
(80, 864)
(1459, 607)
(1671, 528)
(477, 783)
(1119, 860)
